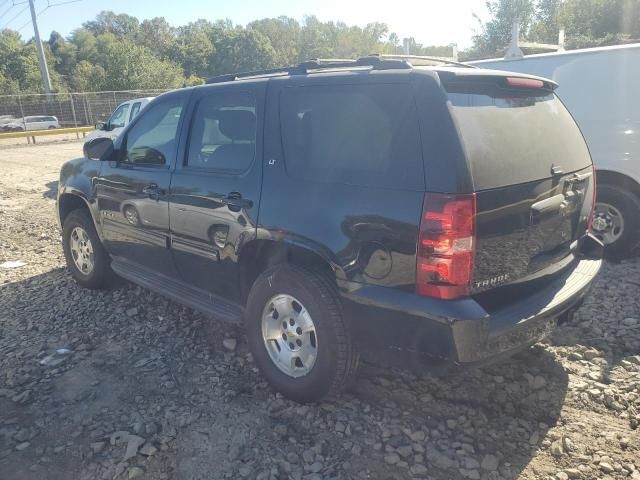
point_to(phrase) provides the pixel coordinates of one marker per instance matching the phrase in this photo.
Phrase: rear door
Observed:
(532, 172)
(344, 173)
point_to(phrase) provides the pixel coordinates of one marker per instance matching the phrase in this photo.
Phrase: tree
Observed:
(241, 51)
(495, 34)
(117, 51)
(19, 65)
(158, 36)
(586, 23)
(85, 44)
(128, 66)
(283, 34)
(194, 47)
(121, 25)
(87, 77)
(64, 53)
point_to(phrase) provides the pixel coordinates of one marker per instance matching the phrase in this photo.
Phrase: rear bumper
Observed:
(401, 329)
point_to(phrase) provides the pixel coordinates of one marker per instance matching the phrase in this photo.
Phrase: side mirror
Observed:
(98, 149)
(101, 125)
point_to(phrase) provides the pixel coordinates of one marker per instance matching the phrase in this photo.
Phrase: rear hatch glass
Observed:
(513, 136)
(532, 174)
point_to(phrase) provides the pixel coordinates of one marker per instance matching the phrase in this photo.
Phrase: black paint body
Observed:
(193, 235)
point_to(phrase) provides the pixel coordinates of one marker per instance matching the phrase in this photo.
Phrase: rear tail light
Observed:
(593, 198)
(446, 245)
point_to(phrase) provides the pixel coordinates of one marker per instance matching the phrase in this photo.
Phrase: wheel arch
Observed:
(70, 201)
(260, 254)
(611, 177)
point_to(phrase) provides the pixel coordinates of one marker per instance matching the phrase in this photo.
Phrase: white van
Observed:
(120, 118)
(36, 122)
(600, 88)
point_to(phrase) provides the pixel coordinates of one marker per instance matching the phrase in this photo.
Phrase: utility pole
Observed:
(44, 70)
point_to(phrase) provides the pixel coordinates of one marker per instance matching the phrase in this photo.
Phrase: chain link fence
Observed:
(71, 109)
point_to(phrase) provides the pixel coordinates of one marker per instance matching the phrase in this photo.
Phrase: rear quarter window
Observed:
(364, 135)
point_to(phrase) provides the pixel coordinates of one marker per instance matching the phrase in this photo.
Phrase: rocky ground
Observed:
(148, 389)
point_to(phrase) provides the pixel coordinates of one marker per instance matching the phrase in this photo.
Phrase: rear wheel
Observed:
(616, 220)
(86, 258)
(298, 336)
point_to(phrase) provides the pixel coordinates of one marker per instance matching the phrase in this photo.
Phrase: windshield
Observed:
(118, 117)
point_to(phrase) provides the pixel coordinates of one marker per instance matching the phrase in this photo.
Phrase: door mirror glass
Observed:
(98, 149)
(146, 155)
(101, 126)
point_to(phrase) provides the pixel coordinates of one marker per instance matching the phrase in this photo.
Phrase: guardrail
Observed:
(31, 135)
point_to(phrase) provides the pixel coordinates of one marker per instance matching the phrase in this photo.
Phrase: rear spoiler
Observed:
(502, 78)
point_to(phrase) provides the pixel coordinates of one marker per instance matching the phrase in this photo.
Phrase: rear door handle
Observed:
(234, 199)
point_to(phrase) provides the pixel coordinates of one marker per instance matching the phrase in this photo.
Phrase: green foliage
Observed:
(117, 51)
(587, 23)
(242, 51)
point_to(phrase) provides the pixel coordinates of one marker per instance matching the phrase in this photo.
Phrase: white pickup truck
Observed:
(120, 118)
(600, 88)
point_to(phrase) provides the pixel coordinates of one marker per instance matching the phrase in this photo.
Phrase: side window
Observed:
(119, 117)
(223, 132)
(355, 134)
(153, 138)
(134, 110)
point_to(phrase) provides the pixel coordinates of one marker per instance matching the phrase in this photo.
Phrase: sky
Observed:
(430, 22)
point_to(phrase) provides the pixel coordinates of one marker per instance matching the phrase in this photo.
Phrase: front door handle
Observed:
(235, 201)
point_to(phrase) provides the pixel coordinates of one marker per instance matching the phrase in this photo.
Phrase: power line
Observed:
(14, 17)
(49, 5)
(7, 11)
(30, 21)
(62, 3)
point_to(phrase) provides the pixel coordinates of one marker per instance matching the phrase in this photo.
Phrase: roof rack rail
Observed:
(444, 60)
(315, 65)
(229, 77)
(376, 63)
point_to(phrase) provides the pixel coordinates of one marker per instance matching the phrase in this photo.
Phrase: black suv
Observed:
(415, 216)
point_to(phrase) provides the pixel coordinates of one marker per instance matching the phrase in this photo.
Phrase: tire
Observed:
(336, 360)
(100, 274)
(131, 215)
(627, 206)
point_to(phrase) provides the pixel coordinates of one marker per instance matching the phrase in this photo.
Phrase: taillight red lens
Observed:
(446, 247)
(593, 199)
(519, 82)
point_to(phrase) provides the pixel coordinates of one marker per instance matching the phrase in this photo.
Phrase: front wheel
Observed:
(298, 335)
(616, 220)
(86, 258)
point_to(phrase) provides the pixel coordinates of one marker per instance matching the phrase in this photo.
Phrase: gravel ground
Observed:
(152, 390)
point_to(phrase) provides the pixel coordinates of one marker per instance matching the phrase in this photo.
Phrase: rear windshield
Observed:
(513, 137)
